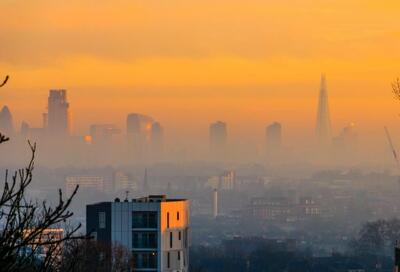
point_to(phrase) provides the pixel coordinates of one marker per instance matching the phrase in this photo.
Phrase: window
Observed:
(144, 220)
(177, 216)
(145, 259)
(167, 219)
(168, 260)
(179, 255)
(144, 239)
(179, 236)
(102, 220)
(185, 236)
(170, 239)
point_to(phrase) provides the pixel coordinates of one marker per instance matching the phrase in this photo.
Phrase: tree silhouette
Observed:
(396, 88)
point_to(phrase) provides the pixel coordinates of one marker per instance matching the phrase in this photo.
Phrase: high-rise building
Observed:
(58, 121)
(323, 128)
(218, 139)
(91, 183)
(153, 228)
(227, 180)
(157, 135)
(102, 133)
(24, 129)
(124, 182)
(139, 129)
(215, 203)
(274, 136)
(345, 145)
(6, 122)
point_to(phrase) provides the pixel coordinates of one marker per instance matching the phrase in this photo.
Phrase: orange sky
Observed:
(188, 63)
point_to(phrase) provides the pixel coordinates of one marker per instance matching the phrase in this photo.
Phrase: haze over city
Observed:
(199, 135)
(248, 68)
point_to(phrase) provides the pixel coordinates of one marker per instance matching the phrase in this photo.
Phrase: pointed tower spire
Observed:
(323, 129)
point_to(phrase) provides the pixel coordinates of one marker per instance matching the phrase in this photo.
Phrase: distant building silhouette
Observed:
(218, 139)
(6, 121)
(273, 134)
(139, 128)
(323, 127)
(102, 133)
(58, 120)
(215, 203)
(91, 183)
(346, 143)
(24, 129)
(157, 138)
(124, 182)
(144, 135)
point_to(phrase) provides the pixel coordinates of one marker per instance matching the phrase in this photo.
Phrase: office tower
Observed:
(58, 113)
(274, 136)
(153, 228)
(227, 180)
(323, 128)
(45, 119)
(124, 182)
(139, 128)
(86, 183)
(102, 133)
(348, 137)
(24, 129)
(6, 122)
(218, 139)
(215, 203)
(157, 134)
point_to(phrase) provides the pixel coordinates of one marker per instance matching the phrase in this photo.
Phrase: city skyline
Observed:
(256, 71)
(146, 138)
(200, 135)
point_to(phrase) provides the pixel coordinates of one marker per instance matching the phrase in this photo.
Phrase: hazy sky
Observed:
(190, 62)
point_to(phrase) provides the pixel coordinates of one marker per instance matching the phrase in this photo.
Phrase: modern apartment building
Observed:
(153, 228)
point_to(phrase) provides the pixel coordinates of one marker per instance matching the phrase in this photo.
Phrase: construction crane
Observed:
(392, 147)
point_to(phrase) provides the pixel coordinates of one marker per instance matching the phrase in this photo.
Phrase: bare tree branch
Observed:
(4, 81)
(396, 88)
(28, 228)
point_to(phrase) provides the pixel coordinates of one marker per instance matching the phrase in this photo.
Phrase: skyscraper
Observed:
(218, 139)
(138, 128)
(323, 128)
(273, 134)
(157, 135)
(58, 113)
(6, 122)
(102, 133)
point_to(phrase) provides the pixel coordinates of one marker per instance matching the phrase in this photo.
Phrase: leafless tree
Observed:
(27, 242)
(396, 88)
(4, 81)
(90, 255)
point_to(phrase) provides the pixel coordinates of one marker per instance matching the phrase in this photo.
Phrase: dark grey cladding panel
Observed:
(92, 221)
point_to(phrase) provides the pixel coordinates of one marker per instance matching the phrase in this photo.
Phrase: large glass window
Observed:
(144, 239)
(102, 220)
(145, 259)
(144, 219)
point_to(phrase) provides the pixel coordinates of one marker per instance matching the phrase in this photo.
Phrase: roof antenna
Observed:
(126, 195)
